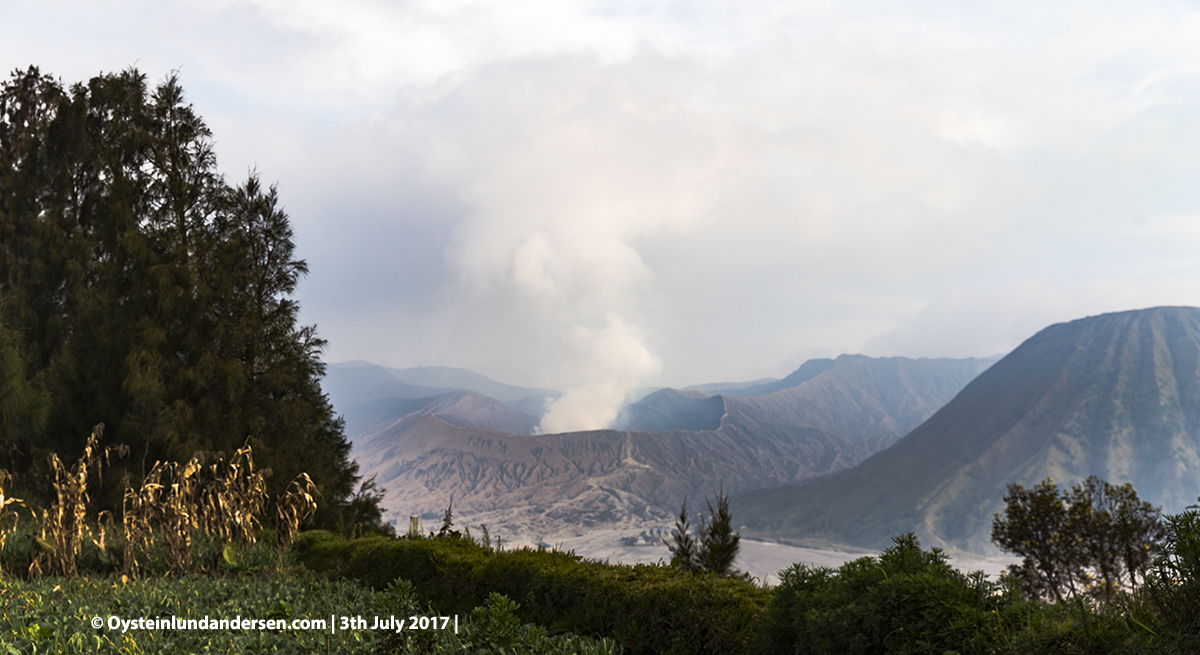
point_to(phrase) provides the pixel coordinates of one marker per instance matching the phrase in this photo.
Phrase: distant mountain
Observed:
(807, 371)
(446, 377)
(1116, 395)
(905, 392)
(727, 387)
(460, 408)
(353, 383)
(832, 421)
(668, 409)
(368, 395)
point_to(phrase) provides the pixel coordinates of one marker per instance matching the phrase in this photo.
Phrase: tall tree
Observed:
(685, 550)
(24, 400)
(1096, 538)
(148, 293)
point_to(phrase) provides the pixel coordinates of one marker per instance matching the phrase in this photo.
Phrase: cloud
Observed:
(616, 360)
(564, 165)
(981, 321)
(724, 191)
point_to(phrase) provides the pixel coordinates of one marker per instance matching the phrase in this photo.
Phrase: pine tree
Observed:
(685, 550)
(148, 293)
(24, 401)
(720, 544)
(716, 549)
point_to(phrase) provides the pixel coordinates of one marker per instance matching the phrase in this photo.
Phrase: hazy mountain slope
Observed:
(446, 377)
(807, 371)
(669, 409)
(727, 387)
(831, 422)
(367, 395)
(474, 410)
(877, 399)
(880, 399)
(461, 408)
(1116, 395)
(352, 383)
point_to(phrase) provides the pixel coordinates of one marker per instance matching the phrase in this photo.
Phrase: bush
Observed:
(646, 608)
(1172, 589)
(905, 601)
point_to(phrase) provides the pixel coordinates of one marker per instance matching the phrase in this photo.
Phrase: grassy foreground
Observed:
(905, 601)
(55, 615)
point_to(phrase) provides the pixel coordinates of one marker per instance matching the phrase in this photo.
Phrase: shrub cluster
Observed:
(648, 609)
(904, 601)
(1172, 589)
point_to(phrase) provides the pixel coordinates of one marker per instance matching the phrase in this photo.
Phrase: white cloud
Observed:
(980, 321)
(726, 189)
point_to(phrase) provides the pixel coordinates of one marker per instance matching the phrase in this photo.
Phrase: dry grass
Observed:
(174, 503)
(64, 525)
(234, 498)
(8, 518)
(293, 508)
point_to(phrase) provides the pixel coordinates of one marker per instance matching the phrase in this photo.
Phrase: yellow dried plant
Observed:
(293, 508)
(64, 524)
(8, 518)
(235, 498)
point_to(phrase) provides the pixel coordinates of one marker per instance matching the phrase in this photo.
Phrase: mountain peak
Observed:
(1115, 395)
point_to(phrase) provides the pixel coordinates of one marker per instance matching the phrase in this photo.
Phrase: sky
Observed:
(601, 196)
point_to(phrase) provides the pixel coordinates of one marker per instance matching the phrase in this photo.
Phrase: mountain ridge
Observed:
(1116, 395)
(757, 441)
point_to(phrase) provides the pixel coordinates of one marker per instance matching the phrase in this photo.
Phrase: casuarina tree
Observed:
(142, 290)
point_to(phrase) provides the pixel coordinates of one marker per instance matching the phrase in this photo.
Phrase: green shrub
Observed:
(492, 628)
(1172, 589)
(646, 608)
(54, 615)
(904, 601)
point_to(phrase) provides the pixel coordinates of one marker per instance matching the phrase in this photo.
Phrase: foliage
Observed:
(1097, 538)
(645, 608)
(1172, 587)
(53, 615)
(905, 601)
(64, 523)
(24, 399)
(294, 508)
(174, 504)
(361, 514)
(685, 550)
(447, 531)
(492, 627)
(142, 290)
(718, 542)
(716, 549)
(9, 518)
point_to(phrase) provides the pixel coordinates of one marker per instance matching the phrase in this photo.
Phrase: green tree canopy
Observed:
(147, 293)
(1096, 538)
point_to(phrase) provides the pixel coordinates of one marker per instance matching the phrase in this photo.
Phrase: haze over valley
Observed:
(490, 458)
(843, 453)
(572, 263)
